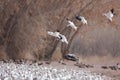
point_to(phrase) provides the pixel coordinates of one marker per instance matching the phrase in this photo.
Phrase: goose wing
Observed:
(64, 39)
(71, 57)
(51, 33)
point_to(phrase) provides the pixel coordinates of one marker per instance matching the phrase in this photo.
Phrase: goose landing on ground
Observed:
(71, 57)
(55, 34)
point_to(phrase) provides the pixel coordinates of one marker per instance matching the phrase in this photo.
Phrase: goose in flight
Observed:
(57, 34)
(63, 39)
(71, 24)
(109, 15)
(72, 57)
(82, 19)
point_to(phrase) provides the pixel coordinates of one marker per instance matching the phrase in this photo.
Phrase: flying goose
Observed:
(72, 57)
(57, 34)
(109, 15)
(82, 19)
(71, 24)
(63, 39)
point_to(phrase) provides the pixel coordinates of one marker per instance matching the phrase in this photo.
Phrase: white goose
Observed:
(82, 19)
(63, 39)
(59, 36)
(118, 65)
(71, 24)
(55, 34)
(72, 57)
(109, 15)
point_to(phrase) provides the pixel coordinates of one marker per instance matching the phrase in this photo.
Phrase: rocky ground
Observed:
(53, 71)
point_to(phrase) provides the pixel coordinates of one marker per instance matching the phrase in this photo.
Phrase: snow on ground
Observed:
(12, 71)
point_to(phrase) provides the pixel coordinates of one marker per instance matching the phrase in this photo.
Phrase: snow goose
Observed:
(118, 66)
(71, 24)
(63, 39)
(72, 57)
(109, 15)
(55, 34)
(82, 19)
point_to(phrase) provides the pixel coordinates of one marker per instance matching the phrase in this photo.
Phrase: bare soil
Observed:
(115, 74)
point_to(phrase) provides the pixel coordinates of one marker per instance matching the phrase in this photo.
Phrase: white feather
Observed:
(55, 34)
(84, 21)
(72, 25)
(109, 15)
(64, 39)
(58, 35)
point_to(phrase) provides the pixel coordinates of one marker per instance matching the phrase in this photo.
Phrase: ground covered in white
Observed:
(12, 71)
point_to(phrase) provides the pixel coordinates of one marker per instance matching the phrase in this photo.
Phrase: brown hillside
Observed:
(24, 25)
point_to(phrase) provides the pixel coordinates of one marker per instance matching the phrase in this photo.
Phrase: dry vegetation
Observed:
(24, 23)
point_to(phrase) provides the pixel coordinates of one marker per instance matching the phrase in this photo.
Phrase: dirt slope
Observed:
(24, 25)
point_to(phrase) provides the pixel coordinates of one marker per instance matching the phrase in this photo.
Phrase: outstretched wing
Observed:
(54, 34)
(108, 15)
(72, 25)
(78, 18)
(51, 33)
(64, 39)
(71, 57)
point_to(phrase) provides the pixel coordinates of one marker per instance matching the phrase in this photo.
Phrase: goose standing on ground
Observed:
(82, 19)
(109, 15)
(71, 24)
(55, 34)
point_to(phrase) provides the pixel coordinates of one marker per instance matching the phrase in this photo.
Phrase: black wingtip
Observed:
(57, 30)
(67, 19)
(78, 18)
(60, 37)
(112, 10)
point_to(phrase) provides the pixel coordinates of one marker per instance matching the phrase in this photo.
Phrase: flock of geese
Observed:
(109, 15)
(12, 71)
